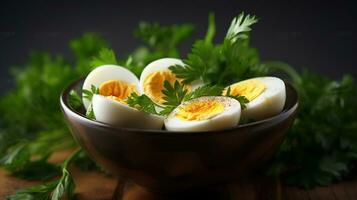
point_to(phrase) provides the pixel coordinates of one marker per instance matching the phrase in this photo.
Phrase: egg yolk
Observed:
(251, 89)
(200, 110)
(154, 84)
(116, 90)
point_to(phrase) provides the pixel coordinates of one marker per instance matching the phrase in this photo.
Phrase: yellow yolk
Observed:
(200, 110)
(116, 90)
(251, 89)
(154, 84)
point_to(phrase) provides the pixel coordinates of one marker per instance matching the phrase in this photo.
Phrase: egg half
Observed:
(153, 76)
(110, 111)
(204, 114)
(111, 80)
(115, 84)
(266, 96)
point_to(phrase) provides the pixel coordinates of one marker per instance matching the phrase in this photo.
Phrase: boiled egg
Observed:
(112, 80)
(266, 96)
(113, 112)
(204, 114)
(153, 76)
(115, 84)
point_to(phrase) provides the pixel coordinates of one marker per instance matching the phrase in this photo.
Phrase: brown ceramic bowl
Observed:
(168, 161)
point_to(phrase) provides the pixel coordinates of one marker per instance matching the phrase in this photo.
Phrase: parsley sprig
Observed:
(242, 99)
(142, 103)
(53, 190)
(88, 94)
(224, 63)
(240, 26)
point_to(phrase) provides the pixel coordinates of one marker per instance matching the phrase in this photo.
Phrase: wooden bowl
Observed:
(165, 161)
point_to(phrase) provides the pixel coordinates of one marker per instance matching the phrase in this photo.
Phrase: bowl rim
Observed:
(66, 108)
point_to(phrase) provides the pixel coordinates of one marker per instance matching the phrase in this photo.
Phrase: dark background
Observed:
(318, 35)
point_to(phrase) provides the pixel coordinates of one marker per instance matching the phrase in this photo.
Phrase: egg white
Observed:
(112, 112)
(158, 65)
(228, 118)
(105, 73)
(269, 103)
(162, 65)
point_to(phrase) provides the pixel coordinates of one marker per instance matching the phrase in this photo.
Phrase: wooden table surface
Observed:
(96, 186)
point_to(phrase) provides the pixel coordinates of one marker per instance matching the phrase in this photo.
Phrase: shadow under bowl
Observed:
(161, 160)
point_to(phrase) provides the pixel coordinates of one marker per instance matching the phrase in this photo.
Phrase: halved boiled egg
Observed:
(113, 112)
(112, 80)
(153, 76)
(204, 114)
(266, 96)
(115, 84)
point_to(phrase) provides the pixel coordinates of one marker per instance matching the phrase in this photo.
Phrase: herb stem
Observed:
(282, 66)
(71, 158)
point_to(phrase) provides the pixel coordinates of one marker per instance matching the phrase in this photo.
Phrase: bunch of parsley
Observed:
(224, 63)
(322, 145)
(32, 127)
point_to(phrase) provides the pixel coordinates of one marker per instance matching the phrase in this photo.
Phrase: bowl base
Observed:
(252, 188)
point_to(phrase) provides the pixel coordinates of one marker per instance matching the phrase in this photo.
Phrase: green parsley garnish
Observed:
(106, 56)
(75, 100)
(53, 190)
(223, 63)
(242, 99)
(240, 26)
(142, 103)
(88, 94)
(206, 90)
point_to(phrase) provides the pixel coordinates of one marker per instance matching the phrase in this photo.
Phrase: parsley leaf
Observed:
(174, 94)
(53, 190)
(142, 103)
(242, 99)
(88, 94)
(106, 56)
(90, 112)
(205, 90)
(75, 101)
(199, 64)
(211, 29)
(239, 26)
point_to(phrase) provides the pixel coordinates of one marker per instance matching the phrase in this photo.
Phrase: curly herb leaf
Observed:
(54, 190)
(211, 29)
(88, 94)
(200, 63)
(106, 56)
(90, 113)
(206, 90)
(75, 101)
(242, 99)
(240, 26)
(174, 94)
(142, 103)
